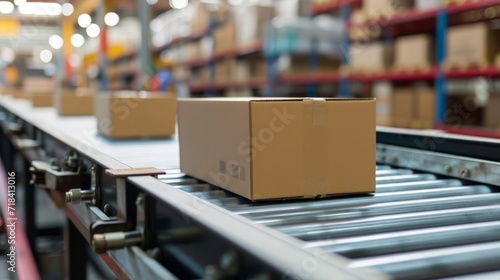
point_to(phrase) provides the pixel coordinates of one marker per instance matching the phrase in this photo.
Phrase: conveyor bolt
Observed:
(115, 240)
(466, 173)
(76, 196)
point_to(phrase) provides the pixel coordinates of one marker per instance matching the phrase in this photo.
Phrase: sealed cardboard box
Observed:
(251, 20)
(135, 114)
(16, 93)
(382, 91)
(414, 52)
(425, 108)
(76, 103)
(280, 148)
(472, 45)
(371, 57)
(492, 112)
(402, 107)
(39, 99)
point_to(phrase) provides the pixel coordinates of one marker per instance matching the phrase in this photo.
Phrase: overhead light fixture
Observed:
(7, 54)
(19, 2)
(56, 41)
(74, 60)
(152, 2)
(111, 19)
(40, 9)
(156, 25)
(84, 20)
(67, 9)
(46, 56)
(6, 7)
(77, 40)
(178, 4)
(93, 30)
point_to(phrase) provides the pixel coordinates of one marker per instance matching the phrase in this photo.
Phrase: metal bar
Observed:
(144, 10)
(412, 240)
(250, 210)
(75, 253)
(388, 223)
(374, 210)
(438, 263)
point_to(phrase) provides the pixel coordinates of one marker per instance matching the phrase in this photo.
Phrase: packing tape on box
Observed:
(315, 146)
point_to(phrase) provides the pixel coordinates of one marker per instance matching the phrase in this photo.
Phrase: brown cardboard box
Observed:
(382, 91)
(41, 99)
(402, 107)
(472, 45)
(300, 148)
(375, 9)
(224, 38)
(135, 114)
(251, 20)
(425, 108)
(414, 52)
(371, 57)
(492, 112)
(75, 103)
(16, 93)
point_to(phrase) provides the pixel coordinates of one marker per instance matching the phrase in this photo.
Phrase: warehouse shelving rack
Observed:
(440, 19)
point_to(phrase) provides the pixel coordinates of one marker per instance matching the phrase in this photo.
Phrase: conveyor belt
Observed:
(415, 225)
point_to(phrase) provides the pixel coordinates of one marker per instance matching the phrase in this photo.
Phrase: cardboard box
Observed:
(402, 107)
(491, 112)
(375, 9)
(75, 103)
(41, 99)
(425, 108)
(428, 4)
(382, 91)
(135, 114)
(472, 45)
(371, 57)
(250, 20)
(415, 52)
(16, 93)
(300, 148)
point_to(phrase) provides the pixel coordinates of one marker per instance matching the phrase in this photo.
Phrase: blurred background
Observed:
(429, 63)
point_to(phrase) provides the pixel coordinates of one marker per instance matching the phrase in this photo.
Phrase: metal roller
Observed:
(411, 240)
(438, 263)
(393, 172)
(257, 210)
(389, 208)
(388, 223)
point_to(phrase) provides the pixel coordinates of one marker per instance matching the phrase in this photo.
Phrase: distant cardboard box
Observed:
(78, 103)
(124, 115)
(39, 99)
(280, 148)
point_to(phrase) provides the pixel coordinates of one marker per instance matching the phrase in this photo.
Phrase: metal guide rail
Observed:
(435, 213)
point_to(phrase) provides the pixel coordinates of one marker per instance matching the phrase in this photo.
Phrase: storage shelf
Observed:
(401, 18)
(237, 52)
(239, 85)
(491, 72)
(394, 76)
(334, 6)
(459, 8)
(176, 41)
(312, 78)
(471, 131)
(126, 55)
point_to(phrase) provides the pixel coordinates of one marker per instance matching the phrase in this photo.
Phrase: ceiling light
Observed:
(178, 4)
(19, 2)
(40, 9)
(7, 55)
(152, 2)
(84, 20)
(111, 19)
(56, 41)
(6, 7)
(93, 30)
(77, 40)
(46, 56)
(67, 9)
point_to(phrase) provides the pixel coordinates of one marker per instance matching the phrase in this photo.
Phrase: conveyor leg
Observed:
(75, 253)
